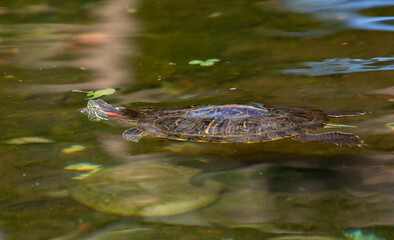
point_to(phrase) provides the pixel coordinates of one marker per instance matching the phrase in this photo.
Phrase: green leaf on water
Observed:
(213, 60)
(102, 92)
(88, 93)
(194, 62)
(207, 64)
(96, 94)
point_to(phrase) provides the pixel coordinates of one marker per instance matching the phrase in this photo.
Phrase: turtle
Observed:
(226, 123)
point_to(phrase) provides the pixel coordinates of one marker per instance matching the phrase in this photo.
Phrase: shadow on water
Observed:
(63, 177)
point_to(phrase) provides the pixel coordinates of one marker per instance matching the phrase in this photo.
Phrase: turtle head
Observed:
(98, 110)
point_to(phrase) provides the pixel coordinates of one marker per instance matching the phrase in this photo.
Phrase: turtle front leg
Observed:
(338, 138)
(132, 135)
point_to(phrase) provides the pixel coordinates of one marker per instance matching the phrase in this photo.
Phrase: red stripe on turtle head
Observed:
(113, 114)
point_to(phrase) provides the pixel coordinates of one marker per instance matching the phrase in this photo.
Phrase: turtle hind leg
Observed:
(338, 138)
(132, 134)
(339, 114)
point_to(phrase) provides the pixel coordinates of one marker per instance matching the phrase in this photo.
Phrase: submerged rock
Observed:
(148, 189)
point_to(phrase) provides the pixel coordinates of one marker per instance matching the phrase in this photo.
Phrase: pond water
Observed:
(65, 177)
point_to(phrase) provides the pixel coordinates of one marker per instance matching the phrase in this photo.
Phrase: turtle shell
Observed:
(235, 123)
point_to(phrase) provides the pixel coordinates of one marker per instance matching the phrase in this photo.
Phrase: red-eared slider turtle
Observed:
(226, 123)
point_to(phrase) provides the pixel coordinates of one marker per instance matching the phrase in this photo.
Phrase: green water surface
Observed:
(277, 52)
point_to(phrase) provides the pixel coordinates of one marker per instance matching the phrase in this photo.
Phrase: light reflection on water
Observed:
(344, 65)
(346, 12)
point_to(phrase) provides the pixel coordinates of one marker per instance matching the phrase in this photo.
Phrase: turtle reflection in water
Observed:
(227, 123)
(147, 189)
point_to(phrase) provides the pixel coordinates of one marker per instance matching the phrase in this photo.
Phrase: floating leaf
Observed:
(80, 91)
(207, 64)
(213, 60)
(96, 94)
(28, 140)
(194, 62)
(102, 92)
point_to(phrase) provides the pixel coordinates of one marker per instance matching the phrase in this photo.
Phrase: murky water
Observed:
(332, 55)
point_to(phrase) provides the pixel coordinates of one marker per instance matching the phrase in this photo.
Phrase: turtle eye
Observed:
(96, 107)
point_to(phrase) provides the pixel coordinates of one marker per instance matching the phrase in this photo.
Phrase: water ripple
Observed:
(345, 12)
(343, 65)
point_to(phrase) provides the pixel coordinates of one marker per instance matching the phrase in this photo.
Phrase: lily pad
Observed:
(145, 189)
